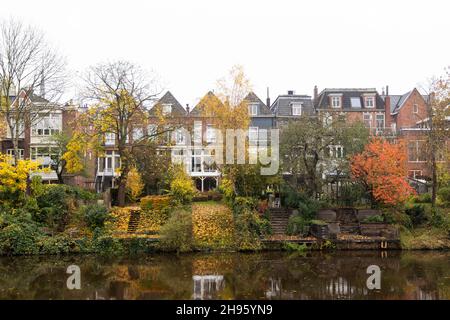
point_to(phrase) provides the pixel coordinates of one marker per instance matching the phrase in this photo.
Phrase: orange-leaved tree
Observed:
(381, 169)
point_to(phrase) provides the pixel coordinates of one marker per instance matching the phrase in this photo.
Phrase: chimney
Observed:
(290, 92)
(387, 90)
(268, 98)
(187, 108)
(387, 111)
(316, 93)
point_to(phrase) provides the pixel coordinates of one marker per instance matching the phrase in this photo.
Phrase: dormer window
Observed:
(336, 101)
(296, 109)
(253, 109)
(166, 109)
(370, 102)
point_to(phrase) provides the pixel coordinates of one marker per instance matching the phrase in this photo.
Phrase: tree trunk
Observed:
(433, 179)
(121, 192)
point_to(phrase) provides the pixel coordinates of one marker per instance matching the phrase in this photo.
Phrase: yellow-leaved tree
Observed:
(134, 184)
(14, 178)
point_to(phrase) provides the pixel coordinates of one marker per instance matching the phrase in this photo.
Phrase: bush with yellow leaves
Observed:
(14, 178)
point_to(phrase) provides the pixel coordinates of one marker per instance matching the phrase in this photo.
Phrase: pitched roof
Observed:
(282, 106)
(397, 101)
(168, 98)
(263, 110)
(349, 94)
(199, 107)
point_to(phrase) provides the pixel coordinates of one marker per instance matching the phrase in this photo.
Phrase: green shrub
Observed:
(58, 244)
(292, 246)
(241, 204)
(423, 198)
(444, 195)
(417, 214)
(374, 219)
(94, 215)
(106, 244)
(308, 207)
(298, 225)
(19, 234)
(176, 234)
(249, 229)
(351, 194)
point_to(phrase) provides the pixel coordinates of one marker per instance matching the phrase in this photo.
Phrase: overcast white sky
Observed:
(281, 44)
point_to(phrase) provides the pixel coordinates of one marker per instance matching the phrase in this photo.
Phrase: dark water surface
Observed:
(269, 275)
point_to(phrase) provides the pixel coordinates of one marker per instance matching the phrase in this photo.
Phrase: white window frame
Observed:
(210, 134)
(296, 109)
(166, 109)
(378, 128)
(335, 99)
(370, 119)
(110, 139)
(366, 102)
(253, 109)
(415, 108)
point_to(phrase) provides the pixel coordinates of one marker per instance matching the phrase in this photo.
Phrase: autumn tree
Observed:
(121, 94)
(381, 169)
(28, 65)
(227, 109)
(311, 147)
(437, 127)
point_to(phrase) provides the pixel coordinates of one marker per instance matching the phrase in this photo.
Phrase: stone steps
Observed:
(279, 220)
(133, 223)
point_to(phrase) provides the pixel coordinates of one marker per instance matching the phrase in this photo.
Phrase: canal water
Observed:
(268, 275)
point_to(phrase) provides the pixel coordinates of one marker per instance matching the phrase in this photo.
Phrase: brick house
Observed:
(360, 104)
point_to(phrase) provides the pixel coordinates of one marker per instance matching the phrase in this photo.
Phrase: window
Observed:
(210, 134)
(335, 102)
(253, 109)
(414, 174)
(296, 109)
(138, 133)
(45, 155)
(379, 122)
(110, 162)
(110, 139)
(196, 161)
(336, 152)
(415, 108)
(197, 131)
(47, 124)
(179, 136)
(166, 109)
(370, 102)
(10, 152)
(416, 151)
(253, 134)
(152, 130)
(367, 119)
(355, 102)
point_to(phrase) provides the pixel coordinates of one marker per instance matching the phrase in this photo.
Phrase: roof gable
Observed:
(168, 98)
(200, 106)
(253, 98)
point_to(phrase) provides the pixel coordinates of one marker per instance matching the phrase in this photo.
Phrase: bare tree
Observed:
(121, 93)
(27, 65)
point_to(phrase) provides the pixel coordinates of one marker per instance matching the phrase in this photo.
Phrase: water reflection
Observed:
(271, 275)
